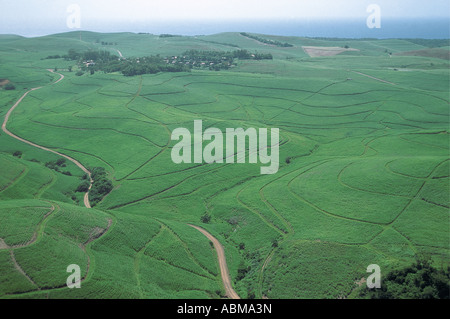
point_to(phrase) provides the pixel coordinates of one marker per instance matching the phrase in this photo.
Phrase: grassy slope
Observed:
(351, 143)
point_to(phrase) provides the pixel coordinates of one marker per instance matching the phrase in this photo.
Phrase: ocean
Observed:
(390, 28)
(420, 28)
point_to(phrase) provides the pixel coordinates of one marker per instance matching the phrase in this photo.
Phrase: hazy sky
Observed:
(28, 16)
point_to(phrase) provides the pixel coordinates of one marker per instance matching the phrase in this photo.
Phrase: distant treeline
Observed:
(90, 55)
(74, 55)
(105, 43)
(220, 43)
(267, 41)
(166, 35)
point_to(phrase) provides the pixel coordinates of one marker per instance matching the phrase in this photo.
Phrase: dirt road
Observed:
(120, 53)
(5, 122)
(222, 262)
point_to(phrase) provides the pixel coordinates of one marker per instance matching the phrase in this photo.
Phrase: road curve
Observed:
(222, 262)
(84, 169)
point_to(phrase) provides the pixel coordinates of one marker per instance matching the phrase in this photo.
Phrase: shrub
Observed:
(83, 187)
(233, 220)
(10, 86)
(60, 161)
(205, 218)
(421, 279)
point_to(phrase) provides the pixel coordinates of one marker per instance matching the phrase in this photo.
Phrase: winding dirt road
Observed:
(8, 114)
(222, 262)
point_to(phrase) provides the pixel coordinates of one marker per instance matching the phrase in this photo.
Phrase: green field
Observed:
(363, 178)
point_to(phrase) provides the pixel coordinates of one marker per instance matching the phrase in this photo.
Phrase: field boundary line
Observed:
(189, 252)
(19, 269)
(17, 178)
(374, 78)
(36, 233)
(138, 257)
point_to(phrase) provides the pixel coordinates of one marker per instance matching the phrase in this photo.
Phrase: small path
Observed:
(5, 246)
(17, 266)
(90, 240)
(374, 78)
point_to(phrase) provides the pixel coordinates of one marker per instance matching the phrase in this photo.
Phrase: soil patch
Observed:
(325, 51)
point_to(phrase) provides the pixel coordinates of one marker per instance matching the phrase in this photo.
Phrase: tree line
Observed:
(267, 41)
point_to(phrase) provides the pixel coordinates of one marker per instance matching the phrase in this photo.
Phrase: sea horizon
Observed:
(425, 28)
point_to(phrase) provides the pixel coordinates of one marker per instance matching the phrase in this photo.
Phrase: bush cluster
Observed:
(417, 281)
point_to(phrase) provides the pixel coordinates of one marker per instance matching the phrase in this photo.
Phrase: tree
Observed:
(205, 218)
(83, 187)
(10, 86)
(70, 68)
(73, 55)
(60, 161)
(275, 243)
(242, 271)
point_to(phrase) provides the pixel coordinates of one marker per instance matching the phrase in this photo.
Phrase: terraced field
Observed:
(363, 178)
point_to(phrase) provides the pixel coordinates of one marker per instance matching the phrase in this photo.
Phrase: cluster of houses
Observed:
(88, 63)
(199, 63)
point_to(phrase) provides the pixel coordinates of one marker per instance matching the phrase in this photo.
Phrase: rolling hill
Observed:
(363, 178)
